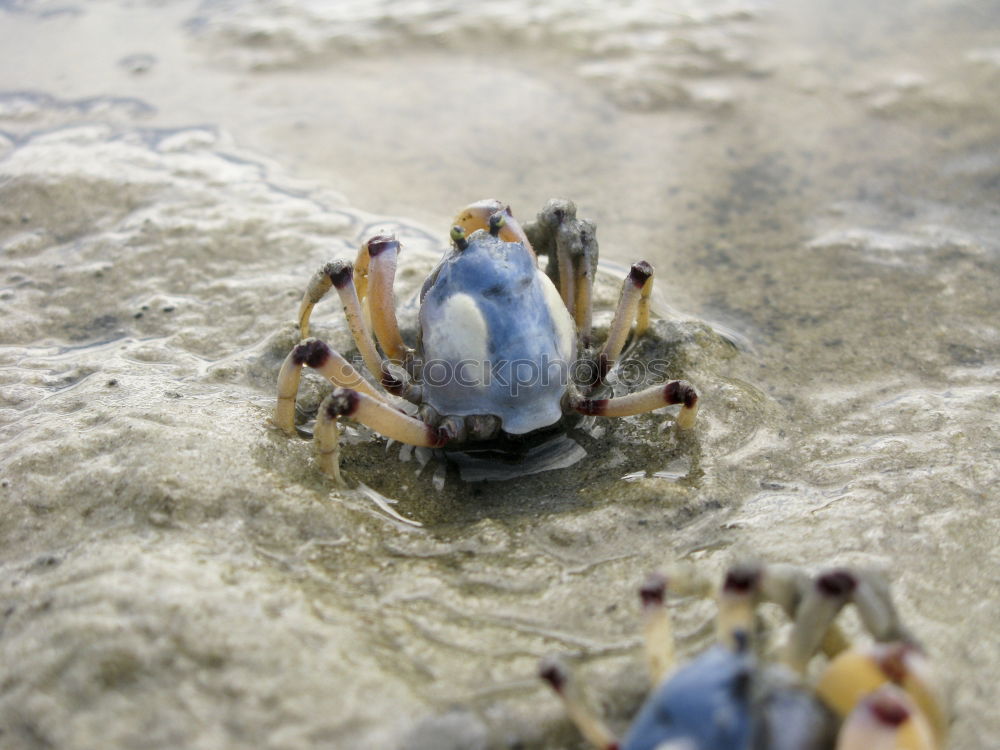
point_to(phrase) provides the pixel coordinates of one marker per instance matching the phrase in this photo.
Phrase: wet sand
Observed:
(816, 184)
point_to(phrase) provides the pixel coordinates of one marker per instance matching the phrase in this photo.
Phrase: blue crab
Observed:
(882, 697)
(502, 349)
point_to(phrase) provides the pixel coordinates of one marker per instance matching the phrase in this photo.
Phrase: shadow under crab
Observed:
(503, 353)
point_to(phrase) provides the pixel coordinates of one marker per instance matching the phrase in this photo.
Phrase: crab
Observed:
(731, 698)
(503, 349)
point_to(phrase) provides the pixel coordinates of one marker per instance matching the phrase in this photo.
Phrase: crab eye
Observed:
(458, 237)
(496, 223)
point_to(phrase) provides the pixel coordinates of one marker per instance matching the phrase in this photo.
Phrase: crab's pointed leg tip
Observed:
(552, 671)
(653, 591)
(837, 583)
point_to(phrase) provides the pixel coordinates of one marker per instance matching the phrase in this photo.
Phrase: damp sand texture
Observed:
(816, 184)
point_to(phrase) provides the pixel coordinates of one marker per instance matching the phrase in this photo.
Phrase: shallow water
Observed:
(816, 183)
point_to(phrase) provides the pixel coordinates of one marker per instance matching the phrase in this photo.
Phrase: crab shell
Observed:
(729, 700)
(496, 337)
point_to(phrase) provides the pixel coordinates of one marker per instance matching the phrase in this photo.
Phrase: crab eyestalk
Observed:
(497, 222)
(458, 237)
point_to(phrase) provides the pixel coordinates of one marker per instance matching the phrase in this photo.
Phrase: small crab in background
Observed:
(502, 350)
(731, 698)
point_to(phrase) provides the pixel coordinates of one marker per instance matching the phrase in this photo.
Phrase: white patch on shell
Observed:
(461, 336)
(561, 319)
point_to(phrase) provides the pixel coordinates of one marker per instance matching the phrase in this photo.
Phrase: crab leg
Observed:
(576, 258)
(819, 608)
(318, 286)
(317, 355)
(820, 605)
(738, 601)
(361, 266)
(658, 631)
(654, 397)
(375, 414)
(571, 245)
(681, 580)
(628, 308)
(583, 307)
(340, 275)
(581, 237)
(824, 600)
(874, 605)
(894, 657)
(569, 691)
(567, 281)
(384, 252)
(642, 314)
(326, 436)
(852, 674)
(786, 586)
